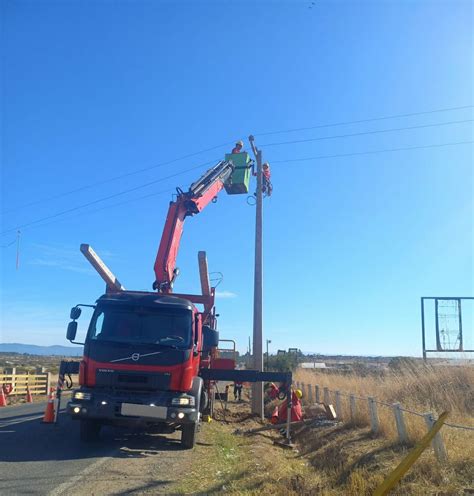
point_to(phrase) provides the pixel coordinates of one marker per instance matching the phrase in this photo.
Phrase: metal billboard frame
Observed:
(439, 347)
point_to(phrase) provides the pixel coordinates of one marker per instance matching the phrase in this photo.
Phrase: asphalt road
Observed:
(44, 459)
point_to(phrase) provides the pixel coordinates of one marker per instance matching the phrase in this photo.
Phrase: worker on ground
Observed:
(238, 391)
(273, 392)
(296, 409)
(238, 147)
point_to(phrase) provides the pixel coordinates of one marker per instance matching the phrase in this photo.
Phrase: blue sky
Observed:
(95, 90)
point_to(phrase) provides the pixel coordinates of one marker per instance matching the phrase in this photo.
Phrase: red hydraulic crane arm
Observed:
(200, 194)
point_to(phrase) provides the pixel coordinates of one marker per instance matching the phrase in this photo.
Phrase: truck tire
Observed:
(188, 435)
(204, 403)
(196, 391)
(89, 430)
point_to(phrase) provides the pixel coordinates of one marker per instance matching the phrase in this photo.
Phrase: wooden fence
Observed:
(354, 405)
(18, 384)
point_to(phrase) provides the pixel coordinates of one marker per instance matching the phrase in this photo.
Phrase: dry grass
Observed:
(229, 463)
(422, 388)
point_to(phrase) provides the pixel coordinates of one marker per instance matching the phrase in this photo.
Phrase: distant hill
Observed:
(32, 349)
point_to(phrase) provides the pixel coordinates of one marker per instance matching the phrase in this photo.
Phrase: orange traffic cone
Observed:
(3, 400)
(49, 412)
(274, 418)
(29, 397)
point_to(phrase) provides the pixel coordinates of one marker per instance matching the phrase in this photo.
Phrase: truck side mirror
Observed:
(210, 338)
(75, 313)
(71, 331)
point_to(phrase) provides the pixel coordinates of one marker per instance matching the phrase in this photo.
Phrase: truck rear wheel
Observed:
(89, 430)
(188, 435)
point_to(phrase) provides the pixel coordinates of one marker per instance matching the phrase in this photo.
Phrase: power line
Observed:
(8, 244)
(391, 130)
(120, 193)
(319, 157)
(193, 154)
(168, 191)
(115, 178)
(371, 152)
(372, 119)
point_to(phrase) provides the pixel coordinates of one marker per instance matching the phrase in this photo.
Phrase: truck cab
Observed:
(142, 356)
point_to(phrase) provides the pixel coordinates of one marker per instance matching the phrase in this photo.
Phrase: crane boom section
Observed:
(200, 194)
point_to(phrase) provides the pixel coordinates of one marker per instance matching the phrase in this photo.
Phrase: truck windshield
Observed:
(142, 325)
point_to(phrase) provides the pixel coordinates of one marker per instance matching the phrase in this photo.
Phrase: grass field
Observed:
(418, 387)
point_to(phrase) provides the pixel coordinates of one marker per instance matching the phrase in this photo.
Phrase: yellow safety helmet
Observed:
(298, 393)
(241, 143)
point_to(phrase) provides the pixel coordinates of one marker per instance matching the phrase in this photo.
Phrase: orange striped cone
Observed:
(49, 412)
(274, 419)
(3, 399)
(29, 397)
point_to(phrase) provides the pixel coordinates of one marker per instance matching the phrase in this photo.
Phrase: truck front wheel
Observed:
(89, 430)
(188, 435)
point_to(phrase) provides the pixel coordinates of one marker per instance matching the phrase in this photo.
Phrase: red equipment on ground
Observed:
(7, 389)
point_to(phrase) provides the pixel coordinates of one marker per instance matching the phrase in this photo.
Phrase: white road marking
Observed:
(8, 423)
(76, 480)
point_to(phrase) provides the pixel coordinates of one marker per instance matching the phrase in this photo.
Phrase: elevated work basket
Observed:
(238, 182)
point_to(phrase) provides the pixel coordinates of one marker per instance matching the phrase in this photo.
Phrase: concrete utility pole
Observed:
(257, 387)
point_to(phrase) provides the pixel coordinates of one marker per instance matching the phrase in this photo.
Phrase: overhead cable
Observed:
(115, 178)
(363, 133)
(317, 157)
(193, 154)
(360, 121)
(370, 152)
(99, 200)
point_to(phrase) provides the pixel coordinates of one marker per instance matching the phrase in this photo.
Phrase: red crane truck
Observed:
(143, 351)
(151, 357)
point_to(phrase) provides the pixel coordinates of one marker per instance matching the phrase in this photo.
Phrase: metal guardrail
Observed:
(327, 396)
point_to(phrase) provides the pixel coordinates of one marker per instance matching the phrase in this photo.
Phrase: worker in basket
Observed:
(238, 147)
(296, 409)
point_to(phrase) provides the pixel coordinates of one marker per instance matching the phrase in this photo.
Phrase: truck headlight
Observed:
(80, 395)
(183, 401)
